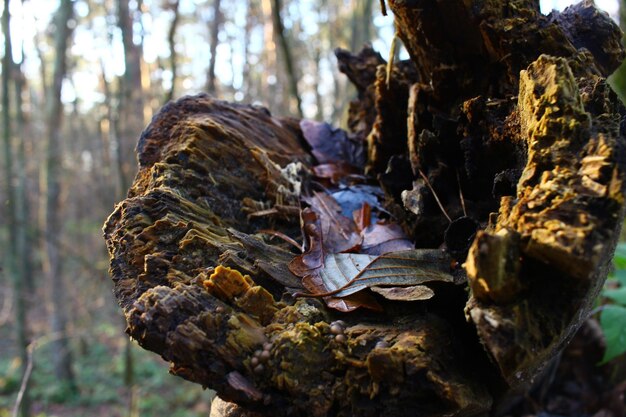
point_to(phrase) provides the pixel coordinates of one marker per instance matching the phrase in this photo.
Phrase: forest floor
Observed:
(99, 362)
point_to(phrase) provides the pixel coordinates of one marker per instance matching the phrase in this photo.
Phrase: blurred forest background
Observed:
(80, 80)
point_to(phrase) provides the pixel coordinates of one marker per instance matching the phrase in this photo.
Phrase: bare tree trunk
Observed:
(172, 43)
(214, 35)
(53, 220)
(131, 107)
(112, 136)
(279, 31)
(22, 240)
(267, 88)
(246, 82)
(319, 102)
(15, 191)
(361, 23)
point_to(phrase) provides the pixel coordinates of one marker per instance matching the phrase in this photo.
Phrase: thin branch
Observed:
(383, 7)
(25, 378)
(432, 190)
(282, 236)
(458, 181)
(392, 55)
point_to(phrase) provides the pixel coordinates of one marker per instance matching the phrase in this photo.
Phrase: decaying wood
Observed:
(502, 122)
(199, 165)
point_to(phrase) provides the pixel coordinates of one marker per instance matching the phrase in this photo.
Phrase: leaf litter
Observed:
(350, 243)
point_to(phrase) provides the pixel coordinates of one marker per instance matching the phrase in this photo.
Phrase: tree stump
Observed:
(502, 121)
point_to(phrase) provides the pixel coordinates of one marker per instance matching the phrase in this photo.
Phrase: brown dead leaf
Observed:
(352, 302)
(338, 232)
(313, 258)
(335, 171)
(379, 239)
(308, 266)
(242, 384)
(362, 217)
(414, 293)
(329, 144)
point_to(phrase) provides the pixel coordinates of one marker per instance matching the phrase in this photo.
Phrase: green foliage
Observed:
(613, 321)
(613, 316)
(9, 376)
(99, 373)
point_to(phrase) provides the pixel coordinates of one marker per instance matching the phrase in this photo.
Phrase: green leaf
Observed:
(613, 322)
(617, 295)
(620, 274)
(620, 250)
(620, 255)
(343, 274)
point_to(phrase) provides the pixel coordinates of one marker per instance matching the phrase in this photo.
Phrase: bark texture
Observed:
(504, 121)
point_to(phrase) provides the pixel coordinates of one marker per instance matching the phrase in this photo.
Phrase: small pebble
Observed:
(254, 361)
(258, 352)
(336, 329)
(340, 338)
(267, 346)
(219, 309)
(340, 322)
(259, 369)
(265, 356)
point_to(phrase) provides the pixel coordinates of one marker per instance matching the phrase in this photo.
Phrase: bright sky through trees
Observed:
(609, 5)
(97, 45)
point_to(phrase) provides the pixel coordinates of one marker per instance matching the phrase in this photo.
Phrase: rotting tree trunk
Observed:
(533, 162)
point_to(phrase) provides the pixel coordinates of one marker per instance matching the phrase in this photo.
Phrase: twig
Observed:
(282, 236)
(30, 351)
(25, 378)
(383, 7)
(392, 55)
(430, 187)
(458, 181)
(595, 311)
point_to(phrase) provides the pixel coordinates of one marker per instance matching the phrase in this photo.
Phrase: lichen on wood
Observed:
(499, 142)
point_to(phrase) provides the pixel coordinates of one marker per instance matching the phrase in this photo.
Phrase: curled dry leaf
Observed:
(242, 384)
(412, 293)
(353, 301)
(335, 171)
(313, 258)
(362, 217)
(329, 144)
(344, 274)
(338, 232)
(379, 239)
(309, 264)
